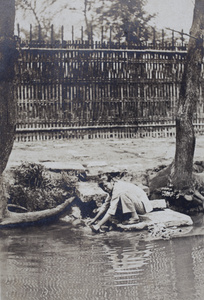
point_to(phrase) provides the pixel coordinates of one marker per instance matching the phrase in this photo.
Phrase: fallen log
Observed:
(30, 218)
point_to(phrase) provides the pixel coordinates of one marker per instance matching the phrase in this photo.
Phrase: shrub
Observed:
(35, 189)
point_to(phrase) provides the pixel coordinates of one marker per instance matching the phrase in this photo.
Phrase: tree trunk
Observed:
(182, 167)
(7, 103)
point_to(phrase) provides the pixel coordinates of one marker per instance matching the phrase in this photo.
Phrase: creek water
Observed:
(62, 262)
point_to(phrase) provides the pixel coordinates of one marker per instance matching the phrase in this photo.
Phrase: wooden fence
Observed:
(95, 92)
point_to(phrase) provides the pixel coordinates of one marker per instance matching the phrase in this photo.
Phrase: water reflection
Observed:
(143, 269)
(58, 262)
(126, 257)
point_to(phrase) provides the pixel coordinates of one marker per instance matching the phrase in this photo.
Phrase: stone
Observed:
(167, 217)
(76, 212)
(159, 179)
(158, 204)
(63, 166)
(94, 173)
(199, 178)
(157, 223)
(188, 197)
(67, 219)
(88, 191)
(97, 164)
(137, 226)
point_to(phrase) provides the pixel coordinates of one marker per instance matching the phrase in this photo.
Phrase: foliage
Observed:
(35, 189)
(184, 201)
(127, 18)
(43, 11)
(30, 175)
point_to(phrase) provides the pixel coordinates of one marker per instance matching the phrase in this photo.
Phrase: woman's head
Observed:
(106, 183)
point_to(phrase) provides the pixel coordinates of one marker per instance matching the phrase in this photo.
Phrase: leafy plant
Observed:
(35, 189)
(31, 175)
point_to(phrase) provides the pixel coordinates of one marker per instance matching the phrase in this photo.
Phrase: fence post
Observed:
(139, 35)
(182, 38)
(110, 39)
(82, 34)
(31, 34)
(101, 36)
(18, 30)
(72, 34)
(52, 35)
(62, 34)
(173, 41)
(91, 37)
(154, 38)
(162, 39)
(39, 33)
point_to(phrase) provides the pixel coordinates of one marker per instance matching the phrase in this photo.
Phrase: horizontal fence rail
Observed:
(99, 93)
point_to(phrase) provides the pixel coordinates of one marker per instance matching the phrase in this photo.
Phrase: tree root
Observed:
(188, 199)
(18, 219)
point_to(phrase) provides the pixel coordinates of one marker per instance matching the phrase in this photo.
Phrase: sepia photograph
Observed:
(101, 149)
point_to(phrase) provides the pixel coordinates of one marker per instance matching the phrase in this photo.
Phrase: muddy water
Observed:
(57, 262)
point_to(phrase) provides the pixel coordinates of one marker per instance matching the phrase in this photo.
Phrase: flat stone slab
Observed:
(158, 204)
(97, 164)
(93, 172)
(79, 155)
(88, 191)
(63, 166)
(161, 225)
(165, 219)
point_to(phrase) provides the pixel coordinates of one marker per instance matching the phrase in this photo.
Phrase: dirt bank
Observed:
(134, 155)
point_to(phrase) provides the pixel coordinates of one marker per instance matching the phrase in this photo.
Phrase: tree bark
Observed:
(7, 103)
(182, 167)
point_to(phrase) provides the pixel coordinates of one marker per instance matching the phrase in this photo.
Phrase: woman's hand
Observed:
(91, 221)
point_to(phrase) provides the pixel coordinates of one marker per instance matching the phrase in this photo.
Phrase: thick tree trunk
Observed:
(7, 104)
(182, 167)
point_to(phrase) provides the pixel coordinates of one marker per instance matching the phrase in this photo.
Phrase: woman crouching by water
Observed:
(132, 199)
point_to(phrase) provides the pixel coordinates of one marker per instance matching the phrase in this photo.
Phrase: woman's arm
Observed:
(102, 209)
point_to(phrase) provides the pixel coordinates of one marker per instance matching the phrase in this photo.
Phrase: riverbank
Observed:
(134, 156)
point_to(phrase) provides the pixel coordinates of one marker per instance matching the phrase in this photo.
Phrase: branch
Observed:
(183, 33)
(33, 10)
